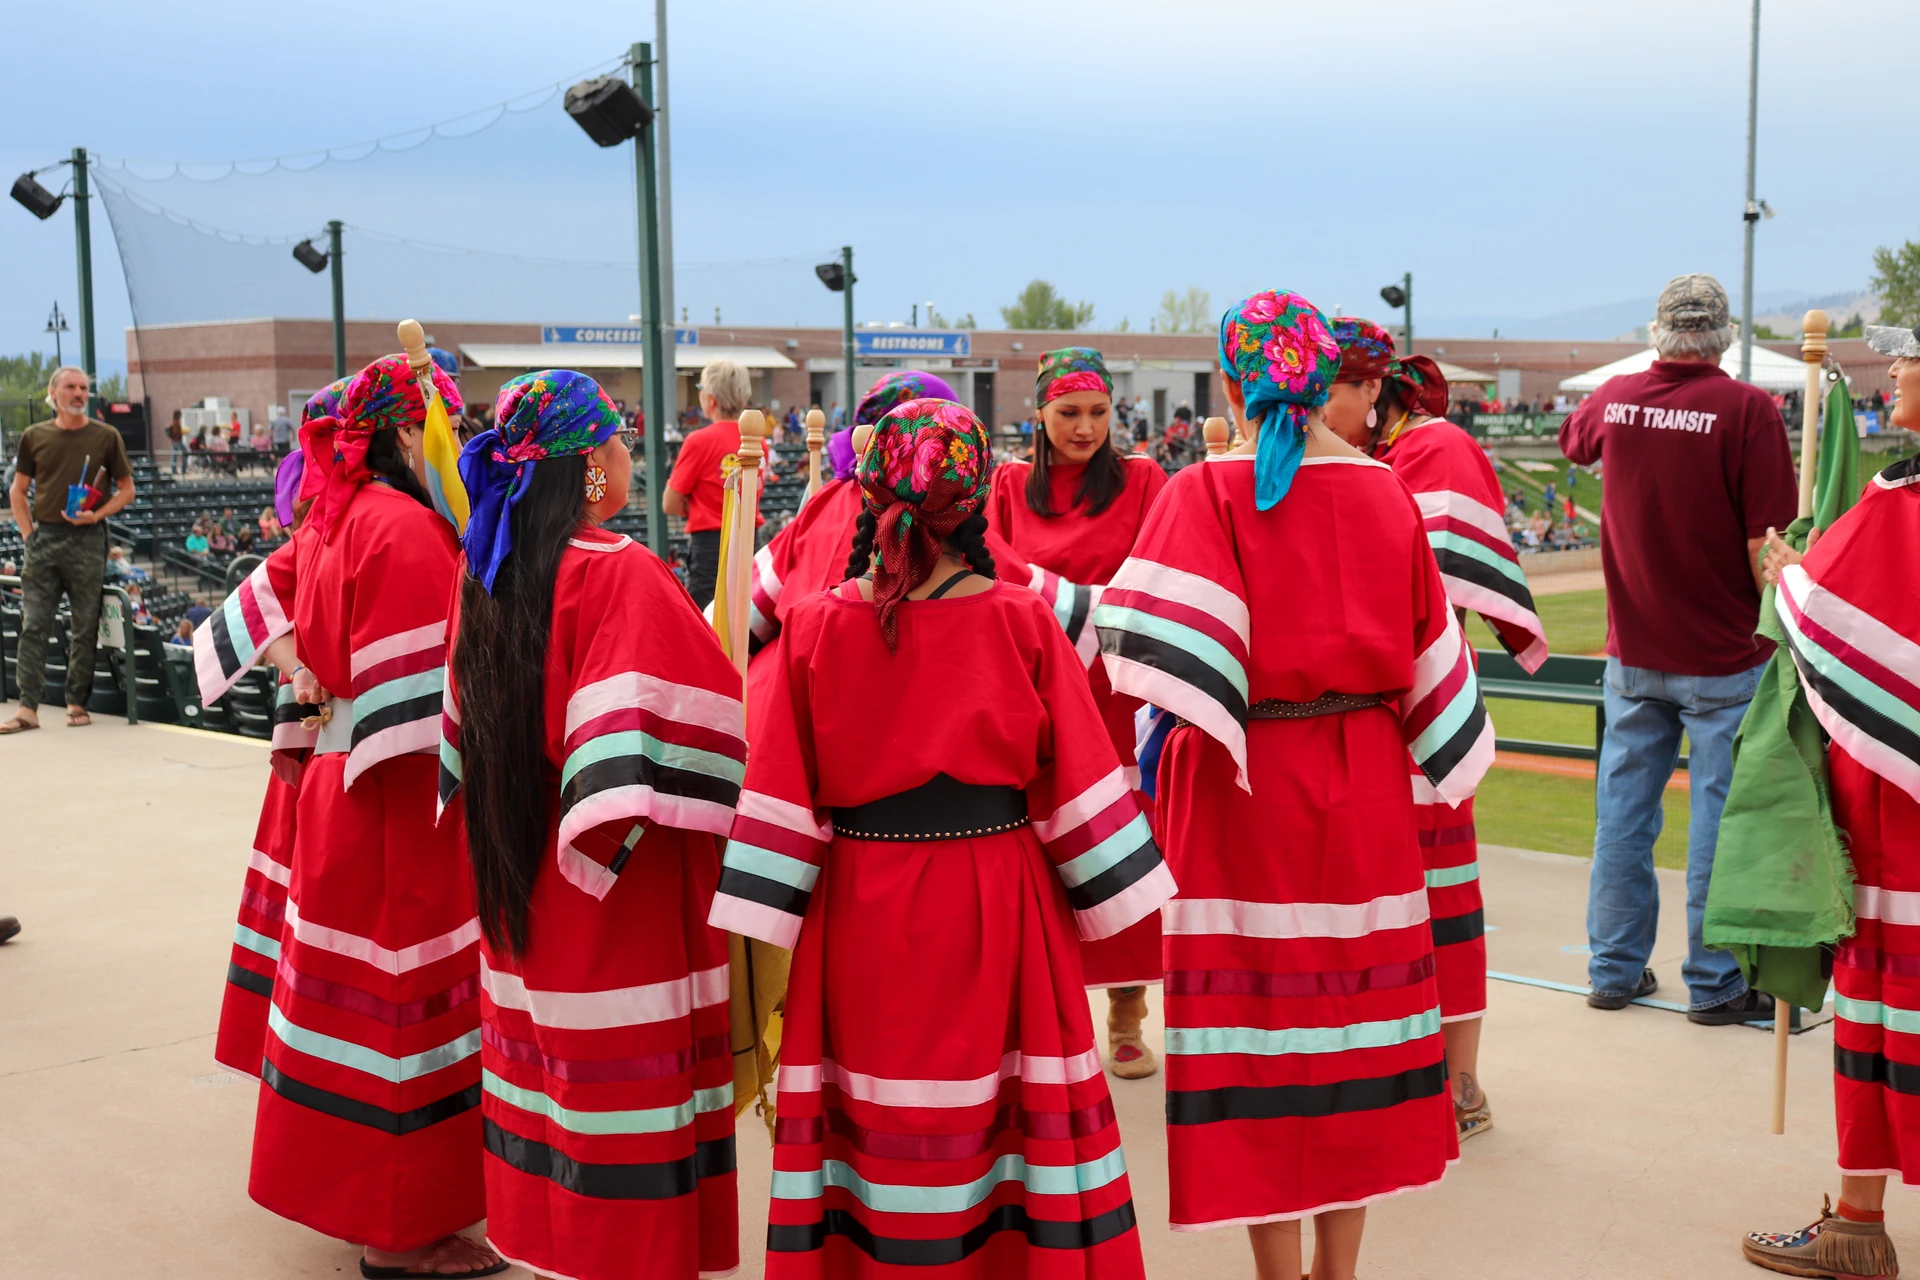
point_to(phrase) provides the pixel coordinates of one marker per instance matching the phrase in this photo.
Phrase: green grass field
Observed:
(1576, 622)
(1555, 815)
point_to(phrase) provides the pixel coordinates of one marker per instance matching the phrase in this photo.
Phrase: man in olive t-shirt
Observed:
(64, 554)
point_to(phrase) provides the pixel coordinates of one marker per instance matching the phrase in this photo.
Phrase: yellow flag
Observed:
(443, 462)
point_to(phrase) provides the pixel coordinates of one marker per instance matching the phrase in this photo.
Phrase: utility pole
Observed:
(846, 264)
(83, 254)
(657, 357)
(339, 301)
(1406, 283)
(662, 121)
(1752, 213)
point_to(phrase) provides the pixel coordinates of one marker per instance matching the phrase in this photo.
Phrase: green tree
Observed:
(1040, 306)
(937, 321)
(1191, 312)
(1765, 333)
(1854, 328)
(1896, 278)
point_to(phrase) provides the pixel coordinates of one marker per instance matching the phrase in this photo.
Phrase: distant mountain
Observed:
(1779, 309)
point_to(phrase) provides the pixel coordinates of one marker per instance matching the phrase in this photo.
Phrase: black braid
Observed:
(865, 528)
(970, 540)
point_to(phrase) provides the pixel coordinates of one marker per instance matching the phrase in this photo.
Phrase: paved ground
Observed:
(1626, 1145)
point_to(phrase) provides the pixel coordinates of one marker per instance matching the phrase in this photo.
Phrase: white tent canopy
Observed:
(1771, 370)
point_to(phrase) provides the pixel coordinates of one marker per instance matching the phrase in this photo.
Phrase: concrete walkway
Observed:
(1627, 1144)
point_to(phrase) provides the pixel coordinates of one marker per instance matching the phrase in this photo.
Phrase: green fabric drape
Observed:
(1782, 884)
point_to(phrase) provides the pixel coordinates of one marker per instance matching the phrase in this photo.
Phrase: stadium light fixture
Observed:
(1394, 296)
(309, 257)
(833, 275)
(608, 109)
(36, 199)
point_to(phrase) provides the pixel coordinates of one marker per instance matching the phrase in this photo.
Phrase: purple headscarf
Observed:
(286, 485)
(897, 388)
(840, 454)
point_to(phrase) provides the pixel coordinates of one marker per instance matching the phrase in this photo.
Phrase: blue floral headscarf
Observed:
(1277, 347)
(555, 413)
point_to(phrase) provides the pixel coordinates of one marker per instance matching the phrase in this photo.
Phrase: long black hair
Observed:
(1103, 481)
(969, 538)
(385, 460)
(500, 662)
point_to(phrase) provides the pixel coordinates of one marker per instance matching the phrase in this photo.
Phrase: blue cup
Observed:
(76, 498)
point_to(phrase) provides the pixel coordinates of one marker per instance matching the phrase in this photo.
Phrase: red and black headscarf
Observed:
(381, 397)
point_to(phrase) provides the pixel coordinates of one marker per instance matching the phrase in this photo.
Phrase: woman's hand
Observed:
(306, 687)
(1779, 555)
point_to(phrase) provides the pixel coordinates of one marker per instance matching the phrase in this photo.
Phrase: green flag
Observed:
(1782, 885)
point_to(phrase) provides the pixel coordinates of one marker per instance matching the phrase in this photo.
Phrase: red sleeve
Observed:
(695, 460)
(1580, 433)
(1769, 490)
(254, 615)
(780, 839)
(1083, 807)
(1443, 716)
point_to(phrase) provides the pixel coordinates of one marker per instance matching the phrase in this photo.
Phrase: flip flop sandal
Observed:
(410, 1272)
(78, 719)
(17, 725)
(1477, 1120)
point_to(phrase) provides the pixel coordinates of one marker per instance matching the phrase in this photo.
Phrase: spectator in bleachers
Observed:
(221, 543)
(121, 567)
(198, 544)
(695, 490)
(270, 529)
(280, 433)
(261, 439)
(141, 616)
(65, 554)
(182, 634)
(1697, 469)
(177, 442)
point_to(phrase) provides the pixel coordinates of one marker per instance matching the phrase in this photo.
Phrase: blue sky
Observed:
(1521, 159)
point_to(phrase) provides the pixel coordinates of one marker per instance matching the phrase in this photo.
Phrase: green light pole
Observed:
(656, 354)
(853, 394)
(83, 254)
(339, 301)
(1406, 285)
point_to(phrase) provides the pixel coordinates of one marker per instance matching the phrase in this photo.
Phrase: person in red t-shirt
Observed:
(695, 489)
(1697, 469)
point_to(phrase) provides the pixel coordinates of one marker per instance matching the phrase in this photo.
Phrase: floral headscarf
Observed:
(381, 397)
(1366, 350)
(555, 413)
(924, 472)
(1071, 369)
(324, 403)
(1421, 386)
(897, 388)
(1276, 345)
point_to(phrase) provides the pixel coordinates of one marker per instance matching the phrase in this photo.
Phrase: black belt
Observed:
(943, 809)
(1327, 704)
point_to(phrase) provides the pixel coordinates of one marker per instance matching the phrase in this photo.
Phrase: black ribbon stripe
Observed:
(1077, 614)
(641, 770)
(1448, 930)
(1305, 1101)
(342, 1107)
(1457, 564)
(1117, 878)
(1890, 734)
(1042, 1233)
(426, 706)
(223, 642)
(260, 984)
(1876, 1068)
(1445, 760)
(770, 893)
(1176, 662)
(662, 1180)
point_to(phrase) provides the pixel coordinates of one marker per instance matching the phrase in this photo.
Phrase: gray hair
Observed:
(728, 383)
(54, 381)
(1690, 344)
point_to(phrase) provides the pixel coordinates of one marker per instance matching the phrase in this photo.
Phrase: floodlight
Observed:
(833, 275)
(608, 109)
(1394, 296)
(37, 200)
(309, 257)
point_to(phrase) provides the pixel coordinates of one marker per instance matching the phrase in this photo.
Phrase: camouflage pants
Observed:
(70, 559)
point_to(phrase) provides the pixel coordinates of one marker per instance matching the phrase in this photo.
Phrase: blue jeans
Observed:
(1646, 712)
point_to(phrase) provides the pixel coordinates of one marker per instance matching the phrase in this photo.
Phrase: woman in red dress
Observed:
(1075, 511)
(368, 1126)
(1391, 407)
(1283, 603)
(593, 746)
(953, 846)
(1851, 618)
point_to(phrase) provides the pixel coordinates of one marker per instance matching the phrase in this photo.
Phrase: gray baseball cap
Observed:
(1890, 340)
(1692, 302)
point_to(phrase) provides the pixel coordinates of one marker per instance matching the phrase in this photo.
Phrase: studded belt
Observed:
(942, 809)
(1327, 704)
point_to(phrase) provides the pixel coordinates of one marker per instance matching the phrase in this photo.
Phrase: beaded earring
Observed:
(596, 483)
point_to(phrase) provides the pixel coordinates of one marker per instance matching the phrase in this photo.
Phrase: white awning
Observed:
(1771, 370)
(1454, 373)
(610, 355)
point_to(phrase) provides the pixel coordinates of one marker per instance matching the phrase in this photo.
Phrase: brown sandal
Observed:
(17, 725)
(77, 718)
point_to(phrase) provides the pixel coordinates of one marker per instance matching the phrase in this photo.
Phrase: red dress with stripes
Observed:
(368, 1127)
(607, 1085)
(966, 1132)
(1852, 622)
(1083, 551)
(1462, 508)
(242, 1035)
(1305, 1068)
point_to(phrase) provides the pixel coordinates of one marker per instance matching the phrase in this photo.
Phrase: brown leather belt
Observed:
(1327, 704)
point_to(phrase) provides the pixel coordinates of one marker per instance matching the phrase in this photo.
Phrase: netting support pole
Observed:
(339, 301)
(853, 392)
(657, 358)
(83, 258)
(663, 125)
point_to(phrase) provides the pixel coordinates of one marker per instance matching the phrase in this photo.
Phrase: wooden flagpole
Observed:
(1216, 435)
(739, 583)
(816, 443)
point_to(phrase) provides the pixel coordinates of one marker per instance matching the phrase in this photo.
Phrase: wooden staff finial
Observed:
(1215, 433)
(862, 436)
(413, 341)
(816, 445)
(1813, 350)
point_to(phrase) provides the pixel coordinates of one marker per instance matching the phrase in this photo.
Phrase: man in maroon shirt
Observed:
(1697, 467)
